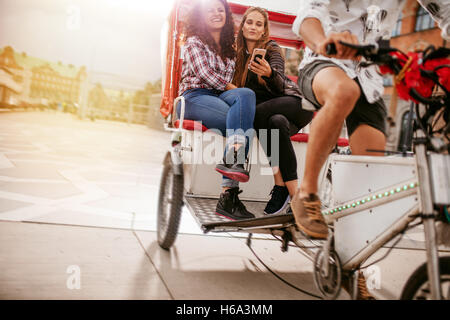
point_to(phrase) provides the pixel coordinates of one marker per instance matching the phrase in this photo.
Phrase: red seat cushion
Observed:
(293, 78)
(342, 142)
(191, 125)
(300, 137)
(304, 137)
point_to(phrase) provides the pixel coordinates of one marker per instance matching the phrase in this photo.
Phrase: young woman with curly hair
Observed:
(278, 101)
(208, 68)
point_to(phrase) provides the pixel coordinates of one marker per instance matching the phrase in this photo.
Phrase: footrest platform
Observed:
(204, 211)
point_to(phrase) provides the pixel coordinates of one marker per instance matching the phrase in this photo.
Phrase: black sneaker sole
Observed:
(233, 175)
(225, 214)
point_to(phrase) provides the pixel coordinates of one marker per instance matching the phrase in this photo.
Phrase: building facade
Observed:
(26, 80)
(11, 78)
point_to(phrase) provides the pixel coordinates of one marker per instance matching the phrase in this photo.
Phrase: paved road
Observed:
(79, 197)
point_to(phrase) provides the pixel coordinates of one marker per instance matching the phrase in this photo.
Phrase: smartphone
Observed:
(258, 53)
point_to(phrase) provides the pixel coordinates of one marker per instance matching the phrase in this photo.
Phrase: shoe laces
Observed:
(235, 196)
(312, 208)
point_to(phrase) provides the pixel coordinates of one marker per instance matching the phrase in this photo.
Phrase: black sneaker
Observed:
(230, 207)
(279, 200)
(233, 165)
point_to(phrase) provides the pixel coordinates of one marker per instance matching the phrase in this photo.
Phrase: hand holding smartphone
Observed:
(258, 53)
(261, 67)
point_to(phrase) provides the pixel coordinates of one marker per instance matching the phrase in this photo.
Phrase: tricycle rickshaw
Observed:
(383, 196)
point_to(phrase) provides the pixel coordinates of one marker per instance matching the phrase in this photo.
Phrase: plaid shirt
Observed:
(202, 68)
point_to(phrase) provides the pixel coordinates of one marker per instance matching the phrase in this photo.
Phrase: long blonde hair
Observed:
(240, 74)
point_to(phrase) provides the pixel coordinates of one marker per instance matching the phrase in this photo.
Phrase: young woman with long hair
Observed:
(278, 101)
(208, 68)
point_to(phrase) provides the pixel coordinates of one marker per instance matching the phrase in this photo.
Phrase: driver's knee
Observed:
(344, 94)
(339, 93)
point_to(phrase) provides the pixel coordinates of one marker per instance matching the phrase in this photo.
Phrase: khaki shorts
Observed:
(372, 114)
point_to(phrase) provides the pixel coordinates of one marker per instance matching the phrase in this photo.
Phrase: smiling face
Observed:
(254, 26)
(214, 15)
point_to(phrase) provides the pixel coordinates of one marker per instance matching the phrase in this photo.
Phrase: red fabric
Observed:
(300, 137)
(291, 43)
(170, 89)
(413, 78)
(304, 137)
(293, 78)
(191, 125)
(342, 142)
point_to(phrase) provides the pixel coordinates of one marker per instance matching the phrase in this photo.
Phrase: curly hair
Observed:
(240, 74)
(196, 26)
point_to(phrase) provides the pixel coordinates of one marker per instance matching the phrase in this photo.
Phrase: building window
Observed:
(423, 20)
(406, 132)
(398, 26)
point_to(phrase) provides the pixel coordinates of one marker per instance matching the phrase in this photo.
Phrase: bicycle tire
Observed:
(170, 204)
(418, 280)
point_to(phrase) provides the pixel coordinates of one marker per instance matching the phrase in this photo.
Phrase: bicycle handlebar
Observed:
(369, 51)
(378, 53)
(331, 49)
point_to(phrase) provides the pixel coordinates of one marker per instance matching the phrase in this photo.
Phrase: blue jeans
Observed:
(231, 112)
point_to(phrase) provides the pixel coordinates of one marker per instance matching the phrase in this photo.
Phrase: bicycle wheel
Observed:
(417, 286)
(170, 204)
(329, 286)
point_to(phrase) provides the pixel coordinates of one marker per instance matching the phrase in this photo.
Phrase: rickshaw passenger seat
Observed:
(304, 137)
(299, 137)
(191, 125)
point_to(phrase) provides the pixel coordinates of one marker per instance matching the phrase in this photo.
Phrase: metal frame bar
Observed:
(426, 195)
(385, 237)
(378, 198)
(183, 108)
(371, 159)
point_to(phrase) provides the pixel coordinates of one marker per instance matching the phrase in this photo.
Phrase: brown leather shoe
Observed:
(308, 216)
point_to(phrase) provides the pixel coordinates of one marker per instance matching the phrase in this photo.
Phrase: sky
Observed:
(109, 37)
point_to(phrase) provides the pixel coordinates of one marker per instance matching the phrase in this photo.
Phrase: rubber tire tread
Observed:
(420, 276)
(166, 240)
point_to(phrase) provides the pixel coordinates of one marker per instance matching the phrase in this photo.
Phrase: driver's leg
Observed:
(366, 127)
(367, 138)
(337, 94)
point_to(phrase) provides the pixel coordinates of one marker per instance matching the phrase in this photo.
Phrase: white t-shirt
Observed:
(369, 20)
